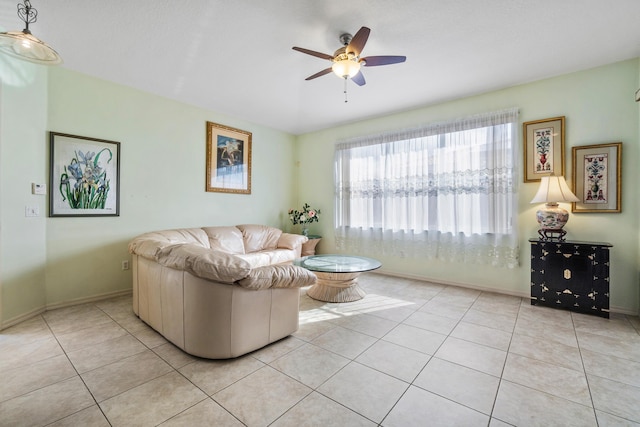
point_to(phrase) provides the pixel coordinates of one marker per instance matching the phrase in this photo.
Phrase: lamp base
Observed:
(552, 235)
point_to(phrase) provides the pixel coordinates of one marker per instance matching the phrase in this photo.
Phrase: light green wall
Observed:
(23, 117)
(49, 261)
(54, 261)
(599, 107)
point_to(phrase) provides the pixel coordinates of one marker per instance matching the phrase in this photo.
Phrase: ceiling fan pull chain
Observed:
(345, 90)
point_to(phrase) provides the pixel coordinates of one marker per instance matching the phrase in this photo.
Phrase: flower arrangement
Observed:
(91, 185)
(306, 216)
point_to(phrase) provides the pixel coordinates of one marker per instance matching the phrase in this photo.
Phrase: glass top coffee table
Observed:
(337, 276)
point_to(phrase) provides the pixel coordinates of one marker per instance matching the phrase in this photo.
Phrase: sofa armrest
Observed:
(204, 262)
(291, 241)
(278, 276)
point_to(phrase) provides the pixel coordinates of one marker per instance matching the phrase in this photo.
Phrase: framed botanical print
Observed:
(543, 148)
(228, 159)
(597, 177)
(84, 176)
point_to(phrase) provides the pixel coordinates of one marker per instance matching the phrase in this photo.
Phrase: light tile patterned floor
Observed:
(409, 354)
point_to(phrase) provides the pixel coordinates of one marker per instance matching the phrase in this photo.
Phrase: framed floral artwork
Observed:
(228, 159)
(84, 176)
(543, 148)
(597, 177)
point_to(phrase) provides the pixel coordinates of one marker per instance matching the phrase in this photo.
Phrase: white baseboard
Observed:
(26, 316)
(612, 309)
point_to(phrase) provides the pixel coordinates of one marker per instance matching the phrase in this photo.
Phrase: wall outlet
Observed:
(38, 188)
(125, 265)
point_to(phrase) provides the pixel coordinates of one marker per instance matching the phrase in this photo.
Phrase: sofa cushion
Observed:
(278, 276)
(261, 259)
(204, 262)
(259, 237)
(291, 241)
(226, 239)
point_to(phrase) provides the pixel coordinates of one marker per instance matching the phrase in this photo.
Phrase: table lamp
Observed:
(551, 217)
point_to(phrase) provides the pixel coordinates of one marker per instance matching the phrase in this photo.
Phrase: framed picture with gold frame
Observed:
(597, 178)
(543, 148)
(228, 159)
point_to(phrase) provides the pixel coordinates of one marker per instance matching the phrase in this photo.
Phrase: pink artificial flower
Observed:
(312, 213)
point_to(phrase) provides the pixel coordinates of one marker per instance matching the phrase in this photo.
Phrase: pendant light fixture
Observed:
(23, 44)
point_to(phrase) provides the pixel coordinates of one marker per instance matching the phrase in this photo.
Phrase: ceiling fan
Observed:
(347, 61)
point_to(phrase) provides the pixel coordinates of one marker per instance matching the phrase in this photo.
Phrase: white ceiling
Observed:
(235, 57)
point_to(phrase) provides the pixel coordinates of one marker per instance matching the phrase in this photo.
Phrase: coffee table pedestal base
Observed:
(336, 287)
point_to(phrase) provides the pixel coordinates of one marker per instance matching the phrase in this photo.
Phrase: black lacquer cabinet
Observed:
(571, 275)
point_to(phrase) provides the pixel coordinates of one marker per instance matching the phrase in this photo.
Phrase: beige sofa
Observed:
(218, 292)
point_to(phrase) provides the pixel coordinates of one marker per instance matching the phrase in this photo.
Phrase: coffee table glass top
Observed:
(338, 263)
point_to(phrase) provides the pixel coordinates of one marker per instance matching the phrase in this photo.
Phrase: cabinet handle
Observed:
(567, 274)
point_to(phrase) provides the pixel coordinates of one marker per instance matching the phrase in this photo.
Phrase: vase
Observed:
(305, 230)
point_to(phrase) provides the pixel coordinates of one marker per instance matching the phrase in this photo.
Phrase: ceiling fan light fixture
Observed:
(24, 45)
(346, 68)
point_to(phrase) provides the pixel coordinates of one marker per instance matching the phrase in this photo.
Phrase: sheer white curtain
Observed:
(444, 190)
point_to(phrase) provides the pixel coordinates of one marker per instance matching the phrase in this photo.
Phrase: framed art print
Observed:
(84, 176)
(228, 159)
(543, 148)
(597, 177)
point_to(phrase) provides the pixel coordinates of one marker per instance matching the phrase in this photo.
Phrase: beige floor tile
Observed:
(415, 338)
(522, 406)
(310, 364)
(152, 402)
(496, 320)
(466, 386)
(608, 420)
(205, 413)
(345, 342)
(149, 337)
(549, 378)
(612, 368)
(366, 324)
(104, 353)
(47, 404)
(396, 313)
(497, 423)
(475, 356)
(16, 354)
(315, 410)
(546, 351)
(213, 375)
(537, 329)
(19, 381)
(262, 397)
(615, 398)
(624, 348)
(277, 349)
(547, 317)
(173, 355)
(310, 329)
(366, 391)
(392, 359)
(441, 307)
(90, 336)
(92, 416)
(75, 318)
(617, 325)
(30, 330)
(115, 378)
(431, 322)
(493, 303)
(418, 408)
(482, 335)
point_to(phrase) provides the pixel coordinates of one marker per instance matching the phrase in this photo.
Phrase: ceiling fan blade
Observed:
(313, 53)
(372, 61)
(359, 79)
(358, 41)
(319, 74)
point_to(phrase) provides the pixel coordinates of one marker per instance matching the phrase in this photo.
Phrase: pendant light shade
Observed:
(26, 46)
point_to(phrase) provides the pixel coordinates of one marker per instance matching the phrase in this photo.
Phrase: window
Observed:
(445, 190)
